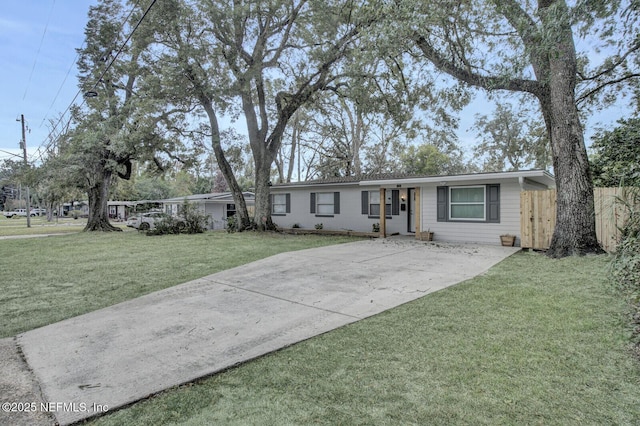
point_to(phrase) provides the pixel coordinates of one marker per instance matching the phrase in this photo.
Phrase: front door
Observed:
(411, 201)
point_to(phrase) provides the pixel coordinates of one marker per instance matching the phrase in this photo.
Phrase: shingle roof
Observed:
(350, 179)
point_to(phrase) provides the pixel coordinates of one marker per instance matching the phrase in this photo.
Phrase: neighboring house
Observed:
(219, 206)
(465, 208)
(120, 210)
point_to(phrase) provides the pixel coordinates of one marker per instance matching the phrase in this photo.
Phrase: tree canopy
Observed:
(616, 155)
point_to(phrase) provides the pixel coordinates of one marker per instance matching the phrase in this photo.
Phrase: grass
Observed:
(39, 225)
(45, 280)
(533, 341)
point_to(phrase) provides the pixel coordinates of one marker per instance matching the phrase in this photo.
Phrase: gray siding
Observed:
(477, 232)
(350, 216)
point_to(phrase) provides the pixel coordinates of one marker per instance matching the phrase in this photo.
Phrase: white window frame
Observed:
(331, 196)
(279, 201)
(372, 202)
(468, 203)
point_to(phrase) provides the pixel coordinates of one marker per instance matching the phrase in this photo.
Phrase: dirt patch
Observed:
(19, 391)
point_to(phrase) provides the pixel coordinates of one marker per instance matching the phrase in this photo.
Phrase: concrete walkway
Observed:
(118, 355)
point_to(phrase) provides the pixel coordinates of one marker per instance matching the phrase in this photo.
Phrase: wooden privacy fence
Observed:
(538, 217)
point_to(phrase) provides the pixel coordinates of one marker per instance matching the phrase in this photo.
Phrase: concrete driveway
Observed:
(117, 355)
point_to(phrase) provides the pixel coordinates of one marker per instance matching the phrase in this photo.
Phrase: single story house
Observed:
(476, 207)
(120, 210)
(218, 206)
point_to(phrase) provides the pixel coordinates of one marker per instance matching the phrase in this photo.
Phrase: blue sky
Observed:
(38, 74)
(22, 25)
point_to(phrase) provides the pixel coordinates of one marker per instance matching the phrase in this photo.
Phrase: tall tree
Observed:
(122, 119)
(616, 155)
(529, 47)
(511, 140)
(269, 58)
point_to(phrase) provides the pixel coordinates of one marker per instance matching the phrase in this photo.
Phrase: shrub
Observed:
(190, 221)
(375, 227)
(625, 267)
(319, 226)
(232, 224)
(195, 221)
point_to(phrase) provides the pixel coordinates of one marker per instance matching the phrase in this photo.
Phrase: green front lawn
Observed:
(44, 280)
(533, 341)
(39, 225)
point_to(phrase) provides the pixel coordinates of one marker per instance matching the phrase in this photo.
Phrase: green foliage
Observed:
(375, 227)
(426, 159)
(512, 140)
(616, 155)
(625, 268)
(195, 220)
(319, 226)
(167, 225)
(190, 221)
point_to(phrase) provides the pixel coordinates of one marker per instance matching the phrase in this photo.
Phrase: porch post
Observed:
(383, 212)
(416, 210)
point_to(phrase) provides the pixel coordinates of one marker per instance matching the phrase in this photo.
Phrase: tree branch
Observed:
(469, 77)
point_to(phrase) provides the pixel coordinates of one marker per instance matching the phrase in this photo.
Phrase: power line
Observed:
(35, 61)
(49, 136)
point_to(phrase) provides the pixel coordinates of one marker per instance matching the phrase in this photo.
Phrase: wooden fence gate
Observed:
(538, 217)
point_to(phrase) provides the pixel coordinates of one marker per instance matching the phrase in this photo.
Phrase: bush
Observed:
(232, 224)
(190, 221)
(625, 267)
(195, 221)
(319, 226)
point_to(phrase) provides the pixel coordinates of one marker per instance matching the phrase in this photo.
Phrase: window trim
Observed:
(391, 209)
(492, 204)
(315, 198)
(286, 204)
(468, 219)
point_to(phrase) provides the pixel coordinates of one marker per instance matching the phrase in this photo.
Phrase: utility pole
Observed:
(23, 145)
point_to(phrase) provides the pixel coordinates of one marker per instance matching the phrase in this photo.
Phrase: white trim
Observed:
(540, 176)
(484, 204)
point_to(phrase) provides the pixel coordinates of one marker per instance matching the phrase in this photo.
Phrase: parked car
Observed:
(20, 212)
(145, 221)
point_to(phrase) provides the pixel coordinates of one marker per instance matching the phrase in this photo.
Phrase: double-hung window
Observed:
(467, 203)
(374, 203)
(478, 203)
(325, 203)
(371, 203)
(280, 204)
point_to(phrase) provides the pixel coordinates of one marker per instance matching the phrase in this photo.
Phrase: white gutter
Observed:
(445, 179)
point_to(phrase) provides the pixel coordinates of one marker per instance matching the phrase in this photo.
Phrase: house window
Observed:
(371, 203)
(467, 203)
(280, 204)
(479, 203)
(374, 203)
(325, 203)
(231, 210)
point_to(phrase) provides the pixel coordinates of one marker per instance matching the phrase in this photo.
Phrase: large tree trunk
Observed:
(262, 214)
(575, 231)
(98, 196)
(238, 197)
